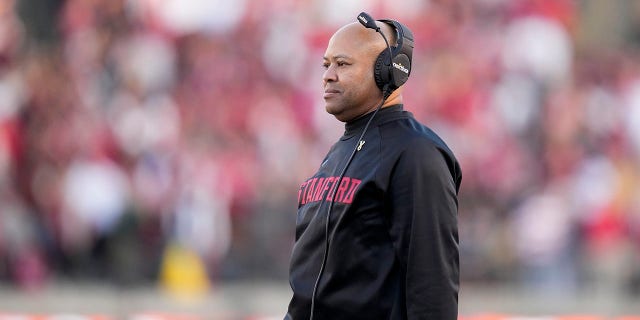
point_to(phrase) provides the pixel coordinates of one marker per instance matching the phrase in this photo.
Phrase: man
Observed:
(376, 230)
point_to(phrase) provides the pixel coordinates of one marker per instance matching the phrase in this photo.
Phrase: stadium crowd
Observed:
(130, 126)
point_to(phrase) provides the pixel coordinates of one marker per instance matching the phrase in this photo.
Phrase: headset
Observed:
(393, 65)
(391, 70)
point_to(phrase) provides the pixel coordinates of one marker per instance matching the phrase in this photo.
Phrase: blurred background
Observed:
(151, 150)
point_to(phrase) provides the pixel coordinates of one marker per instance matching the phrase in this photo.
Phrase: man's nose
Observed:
(329, 75)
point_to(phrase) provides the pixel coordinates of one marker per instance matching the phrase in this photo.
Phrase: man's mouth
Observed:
(328, 93)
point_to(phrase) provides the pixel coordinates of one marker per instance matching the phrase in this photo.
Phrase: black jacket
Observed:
(394, 254)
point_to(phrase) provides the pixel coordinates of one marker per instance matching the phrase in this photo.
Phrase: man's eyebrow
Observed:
(338, 56)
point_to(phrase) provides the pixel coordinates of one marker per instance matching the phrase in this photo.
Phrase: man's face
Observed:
(349, 86)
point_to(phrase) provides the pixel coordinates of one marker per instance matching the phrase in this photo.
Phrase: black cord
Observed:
(328, 239)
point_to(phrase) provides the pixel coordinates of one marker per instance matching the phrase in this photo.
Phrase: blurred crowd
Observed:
(129, 126)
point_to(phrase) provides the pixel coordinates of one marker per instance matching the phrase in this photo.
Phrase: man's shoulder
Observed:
(408, 133)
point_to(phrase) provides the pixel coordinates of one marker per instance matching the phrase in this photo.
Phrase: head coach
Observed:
(376, 228)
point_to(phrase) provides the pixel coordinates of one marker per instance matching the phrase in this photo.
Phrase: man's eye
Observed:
(338, 63)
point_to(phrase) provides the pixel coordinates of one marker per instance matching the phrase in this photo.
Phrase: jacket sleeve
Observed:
(423, 227)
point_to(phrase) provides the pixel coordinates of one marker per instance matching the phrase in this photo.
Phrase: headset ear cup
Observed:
(381, 69)
(401, 69)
